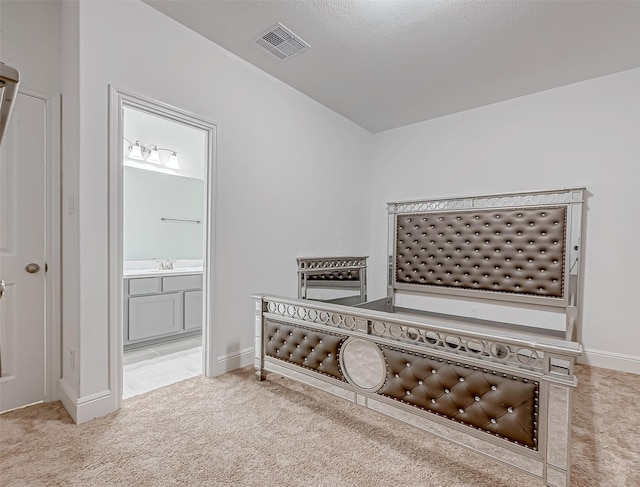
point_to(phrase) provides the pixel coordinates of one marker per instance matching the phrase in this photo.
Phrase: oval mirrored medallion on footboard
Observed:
(363, 364)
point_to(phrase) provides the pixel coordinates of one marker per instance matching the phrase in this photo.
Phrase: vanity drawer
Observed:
(181, 283)
(144, 285)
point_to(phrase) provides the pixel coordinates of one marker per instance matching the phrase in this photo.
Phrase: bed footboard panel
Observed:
(499, 396)
(297, 345)
(500, 404)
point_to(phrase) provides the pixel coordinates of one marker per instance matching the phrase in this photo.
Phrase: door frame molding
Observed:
(53, 259)
(118, 99)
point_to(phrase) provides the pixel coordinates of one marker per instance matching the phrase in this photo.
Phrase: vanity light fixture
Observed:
(136, 151)
(154, 156)
(172, 163)
(151, 154)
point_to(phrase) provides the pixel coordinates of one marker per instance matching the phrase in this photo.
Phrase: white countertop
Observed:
(161, 272)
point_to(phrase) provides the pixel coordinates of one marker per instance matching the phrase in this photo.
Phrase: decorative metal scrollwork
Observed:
(460, 344)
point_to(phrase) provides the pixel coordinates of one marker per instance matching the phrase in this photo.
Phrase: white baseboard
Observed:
(85, 408)
(608, 360)
(94, 406)
(236, 360)
(68, 399)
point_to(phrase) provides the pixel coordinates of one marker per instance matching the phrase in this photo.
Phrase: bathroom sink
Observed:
(161, 272)
(180, 270)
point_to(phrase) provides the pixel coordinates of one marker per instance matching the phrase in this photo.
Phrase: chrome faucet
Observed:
(164, 264)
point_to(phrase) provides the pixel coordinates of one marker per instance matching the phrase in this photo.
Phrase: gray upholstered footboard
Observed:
(509, 398)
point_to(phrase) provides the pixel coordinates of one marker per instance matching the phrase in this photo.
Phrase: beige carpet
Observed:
(233, 430)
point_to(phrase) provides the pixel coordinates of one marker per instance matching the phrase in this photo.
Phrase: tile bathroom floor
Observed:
(149, 368)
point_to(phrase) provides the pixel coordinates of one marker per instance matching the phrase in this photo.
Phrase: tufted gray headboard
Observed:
(514, 250)
(520, 247)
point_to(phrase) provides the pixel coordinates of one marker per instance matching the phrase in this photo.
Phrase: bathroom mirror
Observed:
(363, 364)
(150, 197)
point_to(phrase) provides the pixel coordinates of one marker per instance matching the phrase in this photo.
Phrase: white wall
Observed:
(71, 136)
(582, 134)
(291, 173)
(37, 57)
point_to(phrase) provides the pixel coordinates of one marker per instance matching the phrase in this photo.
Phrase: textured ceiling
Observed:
(385, 64)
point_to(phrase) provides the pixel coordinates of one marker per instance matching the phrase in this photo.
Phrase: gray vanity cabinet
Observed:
(192, 310)
(161, 308)
(154, 316)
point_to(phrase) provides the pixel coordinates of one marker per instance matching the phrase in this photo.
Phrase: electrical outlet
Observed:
(72, 359)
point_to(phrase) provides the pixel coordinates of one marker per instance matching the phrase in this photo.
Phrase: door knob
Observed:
(32, 268)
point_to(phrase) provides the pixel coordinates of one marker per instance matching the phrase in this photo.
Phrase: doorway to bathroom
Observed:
(164, 171)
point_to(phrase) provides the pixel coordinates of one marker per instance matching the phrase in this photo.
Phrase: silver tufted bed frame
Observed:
(345, 278)
(496, 374)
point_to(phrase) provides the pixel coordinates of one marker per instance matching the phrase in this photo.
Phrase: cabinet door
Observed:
(192, 310)
(151, 316)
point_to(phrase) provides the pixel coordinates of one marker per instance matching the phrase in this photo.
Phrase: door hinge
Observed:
(46, 267)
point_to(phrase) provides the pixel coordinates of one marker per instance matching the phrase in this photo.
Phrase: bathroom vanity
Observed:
(161, 305)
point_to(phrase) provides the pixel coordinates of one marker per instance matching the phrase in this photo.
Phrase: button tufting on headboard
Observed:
(502, 405)
(348, 275)
(506, 250)
(310, 349)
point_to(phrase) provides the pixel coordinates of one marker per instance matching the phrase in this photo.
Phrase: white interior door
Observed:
(22, 254)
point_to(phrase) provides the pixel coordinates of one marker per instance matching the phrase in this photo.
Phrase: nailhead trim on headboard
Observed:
(348, 275)
(304, 347)
(508, 250)
(502, 405)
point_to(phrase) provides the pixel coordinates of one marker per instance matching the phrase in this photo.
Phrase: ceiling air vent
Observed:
(281, 42)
